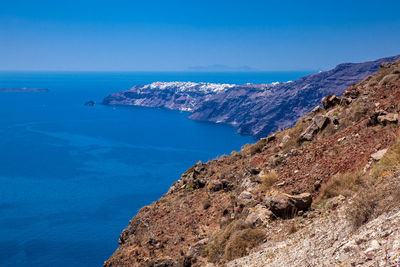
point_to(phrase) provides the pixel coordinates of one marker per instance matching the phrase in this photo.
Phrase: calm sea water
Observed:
(71, 176)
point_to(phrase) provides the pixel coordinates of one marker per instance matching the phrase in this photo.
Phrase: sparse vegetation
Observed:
(233, 241)
(206, 204)
(380, 192)
(293, 228)
(257, 147)
(359, 110)
(241, 241)
(341, 184)
(328, 130)
(376, 198)
(320, 204)
(389, 162)
(294, 134)
(388, 79)
(268, 180)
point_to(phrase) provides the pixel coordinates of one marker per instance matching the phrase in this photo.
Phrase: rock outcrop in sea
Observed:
(255, 109)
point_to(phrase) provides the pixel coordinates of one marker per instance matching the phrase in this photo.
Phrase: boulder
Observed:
(198, 167)
(255, 171)
(245, 198)
(373, 119)
(383, 117)
(315, 110)
(258, 216)
(330, 101)
(269, 138)
(199, 183)
(318, 124)
(215, 186)
(335, 121)
(379, 154)
(196, 248)
(388, 118)
(285, 205)
(285, 139)
(351, 94)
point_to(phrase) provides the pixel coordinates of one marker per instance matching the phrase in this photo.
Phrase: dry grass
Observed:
(215, 249)
(374, 200)
(381, 191)
(389, 162)
(388, 79)
(294, 134)
(359, 111)
(257, 147)
(241, 242)
(232, 242)
(293, 228)
(341, 184)
(268, 180)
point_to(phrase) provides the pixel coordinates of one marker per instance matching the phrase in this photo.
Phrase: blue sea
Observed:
(72, 176)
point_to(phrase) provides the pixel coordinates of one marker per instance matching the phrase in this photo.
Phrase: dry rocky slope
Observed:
(255, 109)
(325, 192)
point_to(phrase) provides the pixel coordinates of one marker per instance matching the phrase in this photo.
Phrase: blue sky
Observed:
(175, 35)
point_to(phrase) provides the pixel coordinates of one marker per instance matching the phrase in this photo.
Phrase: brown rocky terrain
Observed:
(324, 192)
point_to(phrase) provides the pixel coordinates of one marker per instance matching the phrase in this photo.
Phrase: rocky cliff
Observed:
(324, 192)
(256, 110)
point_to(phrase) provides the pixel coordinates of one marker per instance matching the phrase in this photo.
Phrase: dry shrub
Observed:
(206, 204)
(388, 79)
(320, 204)
(294, 134)
(341, 184)
(389, 163)
(359, 111)
(381, 191)
(242, 241)
(293, 228)
(215, 249)
(375, 199)
(257, 147)
(391, 160)
(268, 179)
(362, 208)
(329, 130)
(233, 241)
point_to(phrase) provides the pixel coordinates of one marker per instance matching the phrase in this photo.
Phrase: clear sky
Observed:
(178, 34)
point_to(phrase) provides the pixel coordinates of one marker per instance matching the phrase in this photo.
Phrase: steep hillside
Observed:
(325, 187)
(256, 110)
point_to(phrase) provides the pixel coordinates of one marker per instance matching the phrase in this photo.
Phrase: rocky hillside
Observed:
(324, 192)
(256, 110)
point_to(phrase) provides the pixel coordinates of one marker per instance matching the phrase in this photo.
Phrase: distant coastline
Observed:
(21, 90)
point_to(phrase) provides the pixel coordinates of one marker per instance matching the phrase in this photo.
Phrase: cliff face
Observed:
(183, 96)
(318, 193)
(256, 110)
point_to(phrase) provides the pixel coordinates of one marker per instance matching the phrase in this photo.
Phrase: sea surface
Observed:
(72, 176)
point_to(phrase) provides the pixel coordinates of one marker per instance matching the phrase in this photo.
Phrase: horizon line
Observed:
(190, 71)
